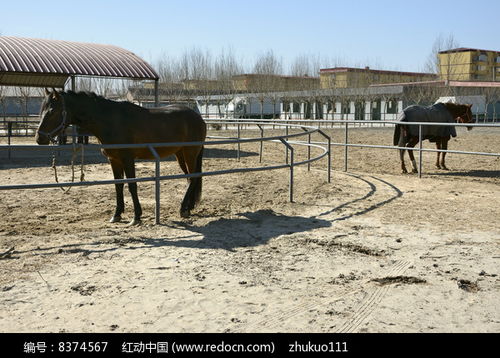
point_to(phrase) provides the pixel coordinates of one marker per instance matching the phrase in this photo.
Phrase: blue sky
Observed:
(384, 34)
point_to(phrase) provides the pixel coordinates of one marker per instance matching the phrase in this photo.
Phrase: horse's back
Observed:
(169, 124)
(436, 113)
(178, 123)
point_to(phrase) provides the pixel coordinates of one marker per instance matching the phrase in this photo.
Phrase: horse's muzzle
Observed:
(41, 139)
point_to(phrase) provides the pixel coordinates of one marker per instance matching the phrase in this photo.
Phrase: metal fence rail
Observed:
(344, 124)
(420, 149)
(307, 127)
(157, 178)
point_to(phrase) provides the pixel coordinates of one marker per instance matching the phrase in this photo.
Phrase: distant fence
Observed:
(346, 124)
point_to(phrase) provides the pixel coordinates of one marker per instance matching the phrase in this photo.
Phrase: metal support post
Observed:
(345, 148)
(261, 142)
(157, 95)
(420, 151)
(329, 165)
(286, 146)
(291, 165)
(9, 135)
(239, 137)
(157, 184)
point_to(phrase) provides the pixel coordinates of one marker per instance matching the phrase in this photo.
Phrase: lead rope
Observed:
(73, 156)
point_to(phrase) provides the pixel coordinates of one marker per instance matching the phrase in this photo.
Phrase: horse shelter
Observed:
(31, 62)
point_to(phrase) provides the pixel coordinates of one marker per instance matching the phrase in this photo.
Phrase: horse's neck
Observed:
(455, 110)
(85, 114)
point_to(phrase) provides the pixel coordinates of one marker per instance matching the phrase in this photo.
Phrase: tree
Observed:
(225, 67)
(268, 70)
(441, 43)
(268, 64)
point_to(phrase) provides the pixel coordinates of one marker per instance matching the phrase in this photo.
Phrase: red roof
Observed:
(367, 69)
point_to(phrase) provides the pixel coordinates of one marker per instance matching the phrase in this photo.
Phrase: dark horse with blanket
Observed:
(408, 136)
(126, 123)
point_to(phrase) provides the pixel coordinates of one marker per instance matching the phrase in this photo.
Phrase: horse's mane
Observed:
(455, 105)
(100, 100)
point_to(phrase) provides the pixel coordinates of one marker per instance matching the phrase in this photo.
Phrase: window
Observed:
(392, 106)
(286, 106)
(330, 107)
(482, 57)
(346, 108)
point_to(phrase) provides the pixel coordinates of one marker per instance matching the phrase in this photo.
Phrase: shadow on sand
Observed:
(470, 174)
(248, 229)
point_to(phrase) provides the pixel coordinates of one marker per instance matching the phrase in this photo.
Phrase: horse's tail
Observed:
(397, 129)
(397, 133)
(198, 187)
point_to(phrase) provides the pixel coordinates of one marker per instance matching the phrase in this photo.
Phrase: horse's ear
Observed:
(470, 105)
(47, 92)
(55, 94)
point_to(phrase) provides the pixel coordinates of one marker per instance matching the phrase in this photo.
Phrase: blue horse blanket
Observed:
(436, 113)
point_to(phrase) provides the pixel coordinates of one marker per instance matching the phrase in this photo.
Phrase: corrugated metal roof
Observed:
(39, 62)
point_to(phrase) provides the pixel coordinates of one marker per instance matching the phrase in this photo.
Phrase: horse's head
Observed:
(52, 117)
(466, 116)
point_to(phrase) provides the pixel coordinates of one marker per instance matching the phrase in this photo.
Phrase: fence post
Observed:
(309, 148)
(345, 147)
(9, 134)
(420, 151)
(239, 137)
(261, 142)
(288, 146)
(309, 152)
(329, 166)
(157, 184)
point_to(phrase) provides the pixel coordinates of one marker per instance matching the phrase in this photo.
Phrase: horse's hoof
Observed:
(185, 213)
(115, 219)
(135, 222)
(414, 171)
(404, 171)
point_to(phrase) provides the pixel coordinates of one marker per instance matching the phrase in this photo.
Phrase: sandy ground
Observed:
(372, 251)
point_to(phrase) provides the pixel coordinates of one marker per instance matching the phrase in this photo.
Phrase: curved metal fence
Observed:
(290, 162)
(288, 140)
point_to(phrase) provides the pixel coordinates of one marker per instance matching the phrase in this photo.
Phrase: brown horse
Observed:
(408, 135)
(126, 123)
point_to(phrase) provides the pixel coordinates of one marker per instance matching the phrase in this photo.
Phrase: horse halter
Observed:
(60, 128)
(466, 114)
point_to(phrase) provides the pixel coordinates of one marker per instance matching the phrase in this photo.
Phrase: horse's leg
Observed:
(399, 139)
(182, 162)
(411, 143)
(189, 159)
(438, 147)
(402, 157)
(129, 167)
(444, 146)
(184, 212)
(117, 168)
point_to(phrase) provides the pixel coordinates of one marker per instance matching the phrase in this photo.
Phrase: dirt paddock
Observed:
(372, 251)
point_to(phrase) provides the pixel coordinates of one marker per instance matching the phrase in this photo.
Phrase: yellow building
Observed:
(469, 64)
(349, 77)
